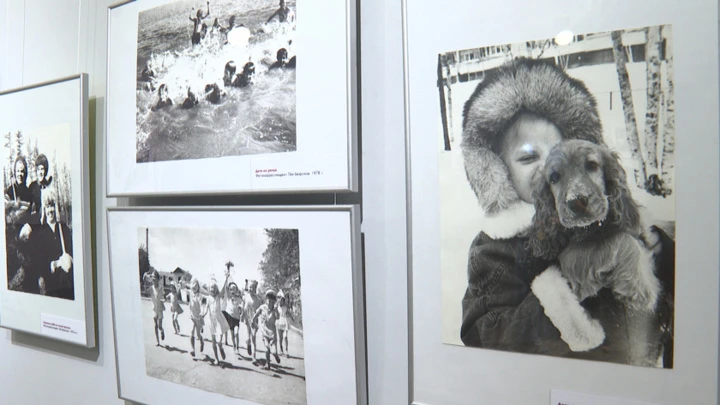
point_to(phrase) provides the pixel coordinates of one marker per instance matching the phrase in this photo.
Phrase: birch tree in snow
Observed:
(667, 162)
(621, 60)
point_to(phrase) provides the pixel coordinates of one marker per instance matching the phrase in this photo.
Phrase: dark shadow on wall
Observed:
(48, 345)
(93, 160)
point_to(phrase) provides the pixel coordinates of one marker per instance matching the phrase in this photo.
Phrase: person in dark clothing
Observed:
(190, 101)
(148, 76)
(18, 197)
(515, 301)
(282, 59)
(164, 99)
(51, 263)
(199, 29)
(246, 77)
(229, 74)
(18, 212)
(41, 183)
(213, 93)
(283, 14)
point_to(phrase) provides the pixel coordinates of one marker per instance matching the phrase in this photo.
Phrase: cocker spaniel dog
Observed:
(587, 219)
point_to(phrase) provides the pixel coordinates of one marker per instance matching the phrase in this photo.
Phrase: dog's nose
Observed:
(578, 204)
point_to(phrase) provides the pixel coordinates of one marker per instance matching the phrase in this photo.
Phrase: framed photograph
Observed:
(217, 304)
(47, 287)
(207, 97)
(523, 117)
(547, 186)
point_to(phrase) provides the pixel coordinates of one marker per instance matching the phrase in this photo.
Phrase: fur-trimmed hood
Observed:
(523, 85)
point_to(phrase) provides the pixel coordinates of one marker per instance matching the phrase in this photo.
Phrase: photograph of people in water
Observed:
(215, 78)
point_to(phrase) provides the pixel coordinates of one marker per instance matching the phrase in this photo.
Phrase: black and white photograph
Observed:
(38, 211)
(222, 310)
(557, 196)
(215, 78)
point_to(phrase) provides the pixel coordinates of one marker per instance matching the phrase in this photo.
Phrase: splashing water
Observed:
(259, 118)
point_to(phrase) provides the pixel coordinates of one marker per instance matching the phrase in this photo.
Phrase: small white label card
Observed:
(295, 171)
(57, 327)
(558, 397)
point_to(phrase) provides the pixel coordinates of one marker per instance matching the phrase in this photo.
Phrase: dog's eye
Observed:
(591, 166)
(554, 177)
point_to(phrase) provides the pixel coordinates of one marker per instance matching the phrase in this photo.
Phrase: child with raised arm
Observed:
(197, 24)
(232, 311)
(266, 317)
(218, 324)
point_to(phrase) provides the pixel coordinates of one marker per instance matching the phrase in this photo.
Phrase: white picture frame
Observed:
(324, 158)
(442, 373)
(331, 292)
(48, 119)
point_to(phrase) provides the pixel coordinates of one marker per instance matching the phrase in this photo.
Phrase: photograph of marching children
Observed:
(38, 211)
(195, 273)
(215, 78)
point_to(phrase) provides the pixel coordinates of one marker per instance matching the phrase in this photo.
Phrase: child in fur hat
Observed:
(515, 301)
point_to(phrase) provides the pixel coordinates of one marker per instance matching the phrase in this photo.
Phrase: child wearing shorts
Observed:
(266, 316)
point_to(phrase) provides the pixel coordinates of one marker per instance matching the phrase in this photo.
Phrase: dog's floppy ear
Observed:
(547, 237)
(623, 211)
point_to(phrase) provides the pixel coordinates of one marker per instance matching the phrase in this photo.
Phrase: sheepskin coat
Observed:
(521, 86)
(521, 303)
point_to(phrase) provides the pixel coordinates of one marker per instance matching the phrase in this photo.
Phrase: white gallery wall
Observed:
(40, 41)
(46, 39)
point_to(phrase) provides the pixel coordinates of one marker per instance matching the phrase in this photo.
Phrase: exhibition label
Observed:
(63, 328)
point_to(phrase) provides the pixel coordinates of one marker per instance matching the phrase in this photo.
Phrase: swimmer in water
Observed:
(230, 70)
(164, 99)
(191, 100)
(213, 93)
(282, 59)
(204, 31)
(148, 73)
(231, 25)
(245, 78)
(198, 24)
(283, 14)
(147, 77)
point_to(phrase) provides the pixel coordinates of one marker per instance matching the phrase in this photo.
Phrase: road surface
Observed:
(235, 376)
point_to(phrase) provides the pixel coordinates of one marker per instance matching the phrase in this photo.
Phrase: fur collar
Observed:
(522, 85)
(509, 222)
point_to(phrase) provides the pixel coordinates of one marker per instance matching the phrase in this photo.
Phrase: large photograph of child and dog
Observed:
(222, 311)
(557, 196)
